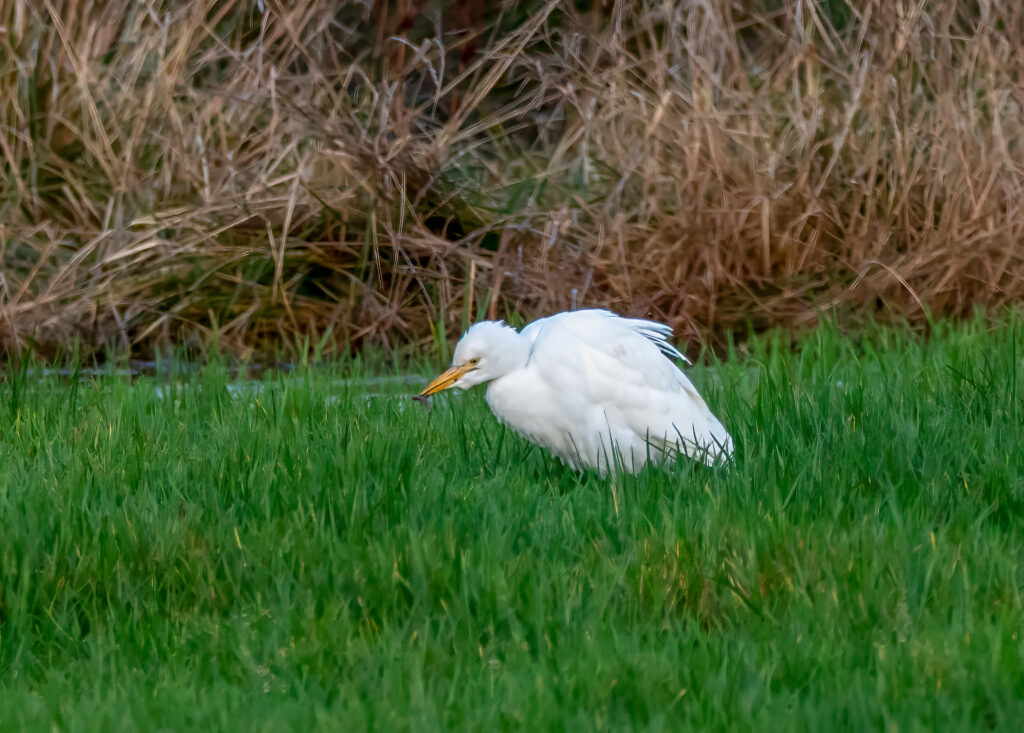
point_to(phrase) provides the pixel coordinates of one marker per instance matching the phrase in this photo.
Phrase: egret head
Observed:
(488, 350)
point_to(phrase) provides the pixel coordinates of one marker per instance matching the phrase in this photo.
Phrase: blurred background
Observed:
(268, 176)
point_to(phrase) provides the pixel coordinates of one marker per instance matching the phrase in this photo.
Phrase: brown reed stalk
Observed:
(275, 171)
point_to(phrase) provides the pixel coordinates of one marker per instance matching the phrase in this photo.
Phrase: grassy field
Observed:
(317, 552)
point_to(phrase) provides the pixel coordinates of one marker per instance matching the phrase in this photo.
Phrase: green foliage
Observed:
(307, 552)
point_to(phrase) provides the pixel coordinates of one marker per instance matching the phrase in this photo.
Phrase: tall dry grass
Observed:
(358, 171)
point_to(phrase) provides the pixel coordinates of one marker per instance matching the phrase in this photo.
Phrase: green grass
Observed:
(317, 559)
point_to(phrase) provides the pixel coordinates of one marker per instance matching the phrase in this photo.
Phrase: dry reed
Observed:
(366, 172)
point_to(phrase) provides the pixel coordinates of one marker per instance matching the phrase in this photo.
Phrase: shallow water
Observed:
(375, 388)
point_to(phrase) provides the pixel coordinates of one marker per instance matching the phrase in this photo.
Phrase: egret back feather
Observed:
(599, 390)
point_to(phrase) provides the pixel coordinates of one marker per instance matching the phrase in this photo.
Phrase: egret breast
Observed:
(568, 422)
(528, 405)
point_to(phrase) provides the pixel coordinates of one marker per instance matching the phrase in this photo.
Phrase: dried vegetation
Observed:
(370, 172)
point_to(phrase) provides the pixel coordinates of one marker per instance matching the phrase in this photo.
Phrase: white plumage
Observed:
(597, 390)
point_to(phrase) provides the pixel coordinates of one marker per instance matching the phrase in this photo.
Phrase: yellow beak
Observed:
(446, 380)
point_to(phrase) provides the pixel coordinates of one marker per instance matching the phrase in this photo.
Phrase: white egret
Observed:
(596, 389)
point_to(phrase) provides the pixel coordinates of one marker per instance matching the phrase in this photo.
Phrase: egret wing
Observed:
(612, 366)
(595, 325)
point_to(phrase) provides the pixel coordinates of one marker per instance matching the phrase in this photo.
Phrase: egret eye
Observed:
(474, 361)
